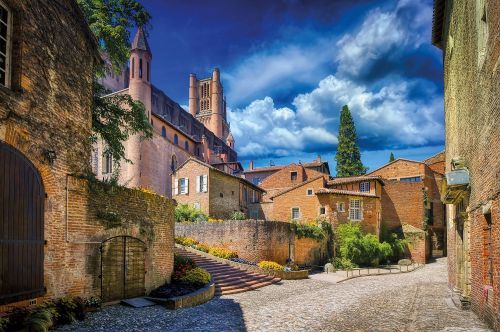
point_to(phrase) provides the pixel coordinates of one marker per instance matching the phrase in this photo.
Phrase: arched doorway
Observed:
(22, 199)
(122, 268)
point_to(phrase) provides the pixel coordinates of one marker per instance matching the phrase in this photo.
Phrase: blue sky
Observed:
(288, 66)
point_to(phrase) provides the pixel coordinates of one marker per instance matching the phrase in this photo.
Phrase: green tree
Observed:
(348, 156)
(391, 158)
(116, 117)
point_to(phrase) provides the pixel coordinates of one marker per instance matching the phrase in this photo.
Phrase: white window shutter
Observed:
(187, 186)
(205, 183)
(198, 178)
(176, 186)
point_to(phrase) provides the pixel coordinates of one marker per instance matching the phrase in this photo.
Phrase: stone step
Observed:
(243, 283)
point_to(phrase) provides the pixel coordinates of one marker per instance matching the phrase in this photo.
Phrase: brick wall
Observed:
(224, 194)
(403, 202)
(472, 115)
(256, 240)
(399, 169)
(418, 246)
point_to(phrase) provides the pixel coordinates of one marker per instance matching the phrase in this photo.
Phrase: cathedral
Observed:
(202, 133)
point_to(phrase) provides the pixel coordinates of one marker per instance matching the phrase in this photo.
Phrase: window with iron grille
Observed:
(355, 212)
(5, 41)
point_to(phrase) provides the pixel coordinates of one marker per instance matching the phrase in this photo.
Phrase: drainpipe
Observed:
(66, 219)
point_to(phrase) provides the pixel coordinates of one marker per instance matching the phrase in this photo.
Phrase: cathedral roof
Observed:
(140, 42)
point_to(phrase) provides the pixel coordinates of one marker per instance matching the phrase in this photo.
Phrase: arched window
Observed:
(176, 139)
(140, 68)
(173, 163)
(186, 146)
(163, 132)
(133, 67)
(147, 73)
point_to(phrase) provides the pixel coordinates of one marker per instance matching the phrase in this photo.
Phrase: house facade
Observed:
(412, 196)
(215, 192)
(178, 135)
(467, 33)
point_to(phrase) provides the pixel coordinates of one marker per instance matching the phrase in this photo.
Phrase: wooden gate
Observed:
(122, 268)
(21, 227)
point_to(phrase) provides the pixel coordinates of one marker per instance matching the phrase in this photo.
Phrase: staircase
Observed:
(229, 279)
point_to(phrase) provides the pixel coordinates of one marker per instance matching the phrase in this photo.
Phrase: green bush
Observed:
(385, 252)
(269, 265)
(238, 215)
(186, 213)
(186, 241)
(343, 264)
(396, 241)
(223, 253)
(197, 277)
(182, 265)
(311, 231)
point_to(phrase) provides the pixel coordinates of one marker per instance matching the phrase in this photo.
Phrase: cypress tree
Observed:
(348, 156)
(391, 158)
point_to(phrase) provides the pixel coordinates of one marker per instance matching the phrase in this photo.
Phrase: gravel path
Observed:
(417, 301)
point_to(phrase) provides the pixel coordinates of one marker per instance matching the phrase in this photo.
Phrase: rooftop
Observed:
(324, 191)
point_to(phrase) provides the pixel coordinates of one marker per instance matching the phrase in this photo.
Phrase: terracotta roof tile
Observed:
(343, 192)
(351, 179)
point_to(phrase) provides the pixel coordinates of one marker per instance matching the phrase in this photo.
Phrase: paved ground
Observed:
(417, 301)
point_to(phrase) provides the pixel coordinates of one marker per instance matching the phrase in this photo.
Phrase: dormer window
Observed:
(293, 176)
(5, 42)
(364, 187)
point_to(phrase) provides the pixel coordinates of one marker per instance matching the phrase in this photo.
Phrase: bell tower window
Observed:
(147, 73)
(133, 67)
(5, 42)
(140, 68)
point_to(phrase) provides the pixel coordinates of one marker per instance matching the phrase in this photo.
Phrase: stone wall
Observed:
(257, 240)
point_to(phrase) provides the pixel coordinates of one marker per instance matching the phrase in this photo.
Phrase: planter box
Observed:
(285, 275)
(189, 300)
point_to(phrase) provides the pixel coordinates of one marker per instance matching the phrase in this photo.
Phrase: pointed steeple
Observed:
(140, 42)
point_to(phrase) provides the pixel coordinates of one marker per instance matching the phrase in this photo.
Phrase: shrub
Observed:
(385, 251)
(343, 263)
(269, 265)
(181, 266)
(186, 213)
(396, 241)
(66, 310)
(186, 241)
(238, 215)
(223, 253)
(41, 318)
(197, 277)
(311, 230)
(215, 220)
(202, 247)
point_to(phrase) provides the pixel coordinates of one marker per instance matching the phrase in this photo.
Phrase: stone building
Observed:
(258, 174)
(412, 196)
(178, 135)
(216, 193)
(53, 225)
(467, 32)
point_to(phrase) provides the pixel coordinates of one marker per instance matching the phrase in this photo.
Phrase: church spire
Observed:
(140, 42)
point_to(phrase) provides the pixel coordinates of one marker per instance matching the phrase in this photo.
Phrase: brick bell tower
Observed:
(207, 104)
(139, 89)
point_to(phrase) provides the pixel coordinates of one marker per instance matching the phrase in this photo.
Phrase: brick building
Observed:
(178, 135)
(215, 192)
(52, 224)
(257, 174)
(467, 32)
(412, 196)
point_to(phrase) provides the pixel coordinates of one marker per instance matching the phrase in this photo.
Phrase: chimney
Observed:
(193, 94)
(318, 158)
(251, 164)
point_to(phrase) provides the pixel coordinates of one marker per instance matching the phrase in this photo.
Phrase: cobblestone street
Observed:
(417, 301)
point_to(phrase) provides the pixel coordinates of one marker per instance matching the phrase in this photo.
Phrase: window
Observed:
(295, 213)
(163, 132)
(221, 195)
(5, 40)
(107, 163)
(310, 192)
(176, 139)
(355, 210)
(364, 187)
(147, 70)
(202, 183)
(173, 163)
(183, 186)
(133, 67)
(140, 68)
(410, 179)
(341, 207)
(186, 146)
(322, 210)
(293, 176)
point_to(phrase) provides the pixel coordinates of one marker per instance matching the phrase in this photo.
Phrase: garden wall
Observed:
(257, 240)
